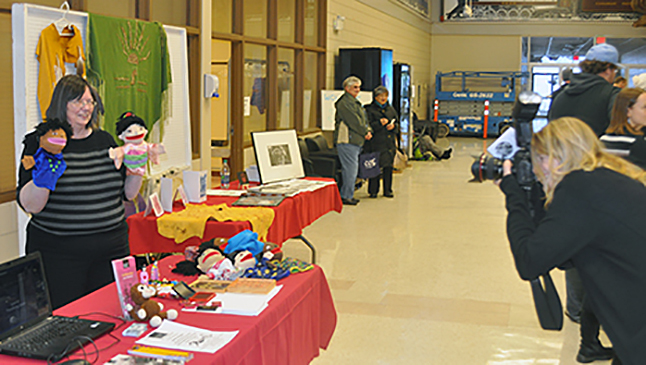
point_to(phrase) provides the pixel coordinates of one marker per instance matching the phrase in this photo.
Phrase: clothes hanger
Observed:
(63, 25)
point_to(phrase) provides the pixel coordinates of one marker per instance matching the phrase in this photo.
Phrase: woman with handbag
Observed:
(385, 128)
(595, 209)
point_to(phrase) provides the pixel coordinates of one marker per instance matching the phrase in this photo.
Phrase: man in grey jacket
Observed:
(351, 129)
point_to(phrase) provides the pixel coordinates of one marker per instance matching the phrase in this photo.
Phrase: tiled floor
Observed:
(428, 278)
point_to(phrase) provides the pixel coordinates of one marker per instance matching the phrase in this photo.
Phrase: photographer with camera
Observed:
(595, 209)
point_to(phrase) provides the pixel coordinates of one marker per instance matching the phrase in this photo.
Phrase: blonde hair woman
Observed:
(596, 209)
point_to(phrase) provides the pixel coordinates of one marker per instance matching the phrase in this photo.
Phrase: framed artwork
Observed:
(277, 155)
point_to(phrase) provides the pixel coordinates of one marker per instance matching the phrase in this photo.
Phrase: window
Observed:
(255, 18)
(311, 92)
(311, 23)
(255, 90)
(276, 68)
(221, 16)
(286, 24)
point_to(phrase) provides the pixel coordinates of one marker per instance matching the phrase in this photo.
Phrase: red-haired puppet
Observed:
(135, 152)
(47, 162)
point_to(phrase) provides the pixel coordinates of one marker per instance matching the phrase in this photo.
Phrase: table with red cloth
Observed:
(298, 322)
(291, 216)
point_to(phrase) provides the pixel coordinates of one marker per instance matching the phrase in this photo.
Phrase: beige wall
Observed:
(8, 232)
(366, 26)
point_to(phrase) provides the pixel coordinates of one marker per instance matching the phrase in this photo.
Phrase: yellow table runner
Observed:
(191, 221)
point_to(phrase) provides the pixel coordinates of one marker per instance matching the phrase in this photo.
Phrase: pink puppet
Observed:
(135, 152)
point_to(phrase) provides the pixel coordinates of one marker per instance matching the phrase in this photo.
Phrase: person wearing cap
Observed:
(351, 130)
(590, 94)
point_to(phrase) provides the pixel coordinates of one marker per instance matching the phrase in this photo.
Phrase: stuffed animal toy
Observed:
(47, 162)
(135, 152)
(232, 267)
(207, 255)
(148, 309)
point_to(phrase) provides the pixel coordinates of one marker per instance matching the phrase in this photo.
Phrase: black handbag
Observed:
(369, 165)
(547, 302)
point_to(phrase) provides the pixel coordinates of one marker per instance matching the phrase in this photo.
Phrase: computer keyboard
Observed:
(57, 329)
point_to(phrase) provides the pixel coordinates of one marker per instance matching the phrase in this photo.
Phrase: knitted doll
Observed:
(135, 152)
(47, 162)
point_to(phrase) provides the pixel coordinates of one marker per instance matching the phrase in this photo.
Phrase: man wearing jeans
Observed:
(350, 131)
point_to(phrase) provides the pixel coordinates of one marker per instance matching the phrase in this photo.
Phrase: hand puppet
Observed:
(47, 163)
(135, 152)
(146, 308)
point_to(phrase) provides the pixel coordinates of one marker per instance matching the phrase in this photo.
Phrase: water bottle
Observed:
(225, 175)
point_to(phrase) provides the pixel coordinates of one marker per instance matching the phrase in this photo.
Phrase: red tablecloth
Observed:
(291, 216)
(299, 320)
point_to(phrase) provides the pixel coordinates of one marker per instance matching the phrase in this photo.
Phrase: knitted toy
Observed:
(199, 262)
(148, 309)
(47, 162)
(135, 152)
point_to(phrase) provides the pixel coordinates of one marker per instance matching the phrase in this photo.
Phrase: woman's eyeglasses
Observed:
(83, 103)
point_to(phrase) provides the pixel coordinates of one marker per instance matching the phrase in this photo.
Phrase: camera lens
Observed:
(486, 168)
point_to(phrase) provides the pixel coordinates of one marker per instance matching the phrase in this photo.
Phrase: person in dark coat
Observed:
(595, 213)
(385, 128)
(590, 95)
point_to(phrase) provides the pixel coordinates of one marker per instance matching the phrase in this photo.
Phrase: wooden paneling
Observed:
(7, 158)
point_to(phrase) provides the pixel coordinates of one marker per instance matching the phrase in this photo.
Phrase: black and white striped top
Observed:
(88, 197)
(628, 146)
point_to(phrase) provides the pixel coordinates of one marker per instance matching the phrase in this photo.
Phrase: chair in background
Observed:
(318, 146)
(316, 166)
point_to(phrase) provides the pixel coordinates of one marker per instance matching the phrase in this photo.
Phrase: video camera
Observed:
(523, 113)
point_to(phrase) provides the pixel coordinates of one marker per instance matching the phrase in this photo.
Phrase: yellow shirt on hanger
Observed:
(52, 52)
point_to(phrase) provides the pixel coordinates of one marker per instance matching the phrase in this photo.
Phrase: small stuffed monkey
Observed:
(47, 162)
(135, 152)
(148, 309)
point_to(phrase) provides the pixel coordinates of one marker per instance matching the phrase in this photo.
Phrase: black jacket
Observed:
(383, 140)
(588, 97)
(631, 147)
(596, 222)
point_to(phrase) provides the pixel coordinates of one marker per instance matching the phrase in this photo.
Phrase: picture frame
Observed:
(277, 155)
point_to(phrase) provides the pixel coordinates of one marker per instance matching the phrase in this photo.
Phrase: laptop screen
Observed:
(24, 298)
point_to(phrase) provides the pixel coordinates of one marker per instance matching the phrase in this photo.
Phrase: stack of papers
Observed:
(289, 188)
(224, 192)
(172, 335)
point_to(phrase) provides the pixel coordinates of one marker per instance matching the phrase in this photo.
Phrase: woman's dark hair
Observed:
(70, 88)
(52, 125)
(619, 121)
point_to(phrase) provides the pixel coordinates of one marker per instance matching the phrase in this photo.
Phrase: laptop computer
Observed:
(27, 326)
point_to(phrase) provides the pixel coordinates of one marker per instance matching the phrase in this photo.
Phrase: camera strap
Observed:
(547, 302)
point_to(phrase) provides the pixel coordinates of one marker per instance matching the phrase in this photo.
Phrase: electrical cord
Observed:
(53, 358)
